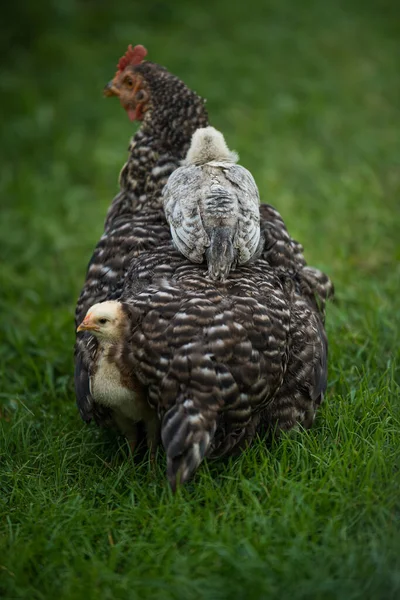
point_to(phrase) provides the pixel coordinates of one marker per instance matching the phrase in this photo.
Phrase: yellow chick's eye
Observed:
(103, 321)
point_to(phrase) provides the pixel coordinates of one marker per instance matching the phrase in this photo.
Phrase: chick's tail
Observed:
(220, 254)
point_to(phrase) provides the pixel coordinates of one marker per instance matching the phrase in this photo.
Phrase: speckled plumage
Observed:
(218, 361)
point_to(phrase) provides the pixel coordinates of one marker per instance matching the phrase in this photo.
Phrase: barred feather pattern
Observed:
(221, 360)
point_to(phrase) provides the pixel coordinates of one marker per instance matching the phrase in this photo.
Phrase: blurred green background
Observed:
(308, 94)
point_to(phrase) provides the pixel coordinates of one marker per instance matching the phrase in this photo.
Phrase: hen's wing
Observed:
(126, 235)
(181, 197)
(247, 236)
(280, 250)
(305, 381)
(286, 255)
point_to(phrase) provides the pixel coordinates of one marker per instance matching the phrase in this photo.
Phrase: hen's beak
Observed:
(87, 325)
(111, 89)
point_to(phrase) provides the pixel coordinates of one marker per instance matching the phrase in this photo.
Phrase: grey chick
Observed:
(212, 206)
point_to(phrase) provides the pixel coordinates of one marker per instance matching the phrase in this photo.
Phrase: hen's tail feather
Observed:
(221, 254)
(187, 431)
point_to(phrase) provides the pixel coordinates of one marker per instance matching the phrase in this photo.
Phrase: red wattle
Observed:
(132, 114)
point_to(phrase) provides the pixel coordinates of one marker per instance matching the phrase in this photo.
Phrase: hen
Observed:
(212, 206)
(215, 360)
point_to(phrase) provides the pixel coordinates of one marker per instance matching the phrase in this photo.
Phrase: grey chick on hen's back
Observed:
(212, 206)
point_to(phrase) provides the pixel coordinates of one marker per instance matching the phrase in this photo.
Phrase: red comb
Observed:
(133, 56)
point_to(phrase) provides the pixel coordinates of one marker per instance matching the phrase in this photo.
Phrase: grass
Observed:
(308, 94)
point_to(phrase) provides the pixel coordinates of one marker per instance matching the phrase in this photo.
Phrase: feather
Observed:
(85, 352)
(188, 426)
(84, 399)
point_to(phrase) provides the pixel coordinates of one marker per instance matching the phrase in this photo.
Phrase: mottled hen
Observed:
(212, 206)
(216, 361)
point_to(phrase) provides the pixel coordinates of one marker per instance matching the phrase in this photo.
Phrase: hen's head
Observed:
(128, 85)
(146, 87)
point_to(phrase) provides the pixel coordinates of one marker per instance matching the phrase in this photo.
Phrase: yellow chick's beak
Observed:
(87, 325)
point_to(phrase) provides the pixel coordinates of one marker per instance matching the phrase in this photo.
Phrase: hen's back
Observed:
(222, 359)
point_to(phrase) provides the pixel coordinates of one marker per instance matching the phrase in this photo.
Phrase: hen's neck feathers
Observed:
(162, 141)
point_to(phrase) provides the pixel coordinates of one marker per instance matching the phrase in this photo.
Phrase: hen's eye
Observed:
(129, 82)
(103, 321)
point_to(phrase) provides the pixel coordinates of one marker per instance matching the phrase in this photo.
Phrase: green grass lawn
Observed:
(308, 93)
